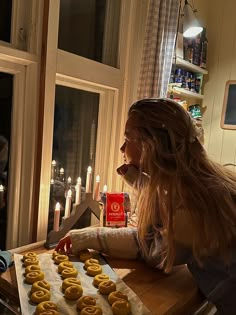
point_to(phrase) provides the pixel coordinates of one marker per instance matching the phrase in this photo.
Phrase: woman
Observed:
(186, 203)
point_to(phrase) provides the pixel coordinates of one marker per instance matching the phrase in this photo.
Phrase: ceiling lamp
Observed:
(191, 26)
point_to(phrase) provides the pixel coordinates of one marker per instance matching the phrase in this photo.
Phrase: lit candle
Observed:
(96, 190)
(54, 169)
(88, 180)
(105, 188)
(56, 217)
(1, 195)
(78, 191)
(68, 184)
(68, 203)
(61, 174)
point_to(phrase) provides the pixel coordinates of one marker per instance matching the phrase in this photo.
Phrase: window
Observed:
(6, 93)
(33, 29)
(74, 143)
(90, 28)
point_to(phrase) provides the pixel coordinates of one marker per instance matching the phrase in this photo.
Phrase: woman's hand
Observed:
(121, 170)
(64, 244)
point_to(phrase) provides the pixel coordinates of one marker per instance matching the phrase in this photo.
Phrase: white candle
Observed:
(105, 188)
(88, 180)
(61, 174)
(1, 195)
(68, 184)
(56, 217)
(68, 203)
(78, 191)
(54, 169)
(96, 190)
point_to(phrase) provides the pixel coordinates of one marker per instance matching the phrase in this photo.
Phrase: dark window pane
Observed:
(6, 86)
(74, 143)
(90, 28)
(5, 20)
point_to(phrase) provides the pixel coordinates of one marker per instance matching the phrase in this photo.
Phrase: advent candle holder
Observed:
(78, 210)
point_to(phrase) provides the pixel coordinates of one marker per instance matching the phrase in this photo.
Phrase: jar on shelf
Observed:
(195, 111)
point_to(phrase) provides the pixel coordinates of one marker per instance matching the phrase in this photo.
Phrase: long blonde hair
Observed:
(182, 176)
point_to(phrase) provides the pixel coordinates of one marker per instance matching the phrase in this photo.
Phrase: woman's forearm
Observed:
(120, 243)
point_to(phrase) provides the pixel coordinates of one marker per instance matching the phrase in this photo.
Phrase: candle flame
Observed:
(57, 206)
(69, 194)
(105, 188)
(61, 170)
(89, 169)
(69, 180)
(54, 162)
(97, 178)
(79, 180)
(1, 188)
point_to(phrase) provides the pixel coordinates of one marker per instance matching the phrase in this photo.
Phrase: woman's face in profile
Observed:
(132, 147)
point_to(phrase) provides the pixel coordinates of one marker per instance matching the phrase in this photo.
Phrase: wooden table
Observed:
(174, 294)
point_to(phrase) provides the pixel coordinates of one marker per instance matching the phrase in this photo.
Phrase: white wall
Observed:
(221, 33)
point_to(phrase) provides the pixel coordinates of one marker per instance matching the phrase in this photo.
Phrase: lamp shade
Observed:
(191, 26)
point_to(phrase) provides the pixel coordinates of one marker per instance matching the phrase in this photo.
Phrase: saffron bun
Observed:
(94, 270)
(63, 265)
(73, 292)
(60, 258)
(90, 261)
(121, 307)
(29, 255)
(31, 261)
(106, 287)
(85, 301)
(91, 310)
(50, 312)
(116, 295)
(45, 306)
(31, 268)
(34, 276)
(68, 282)
(40, 296)
(99, 278)
(69, 273)
(54, 254)
(85, 255)
(39, 285)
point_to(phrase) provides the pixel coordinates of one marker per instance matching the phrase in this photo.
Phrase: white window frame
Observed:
(24, 66)
(22, 150)
(116, 87)
(71, 70)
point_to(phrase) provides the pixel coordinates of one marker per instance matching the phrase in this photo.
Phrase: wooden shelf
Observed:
(181, 91)
(189, 66)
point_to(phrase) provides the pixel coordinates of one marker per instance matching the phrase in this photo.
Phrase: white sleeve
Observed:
(119, 243)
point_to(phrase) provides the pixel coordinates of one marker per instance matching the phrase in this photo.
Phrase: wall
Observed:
(221, 33)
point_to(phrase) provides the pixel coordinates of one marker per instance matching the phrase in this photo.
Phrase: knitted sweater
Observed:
(216, 281)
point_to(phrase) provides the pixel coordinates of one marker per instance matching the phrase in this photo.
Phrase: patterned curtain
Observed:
(158, 48)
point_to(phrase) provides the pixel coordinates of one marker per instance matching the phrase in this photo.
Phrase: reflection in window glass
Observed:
(74, 143)
(5, 20)
(90, 28)
(6, 86)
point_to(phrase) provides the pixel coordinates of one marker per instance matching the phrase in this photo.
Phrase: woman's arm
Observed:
(119, 243)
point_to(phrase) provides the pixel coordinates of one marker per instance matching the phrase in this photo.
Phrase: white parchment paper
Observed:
(67, 307)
